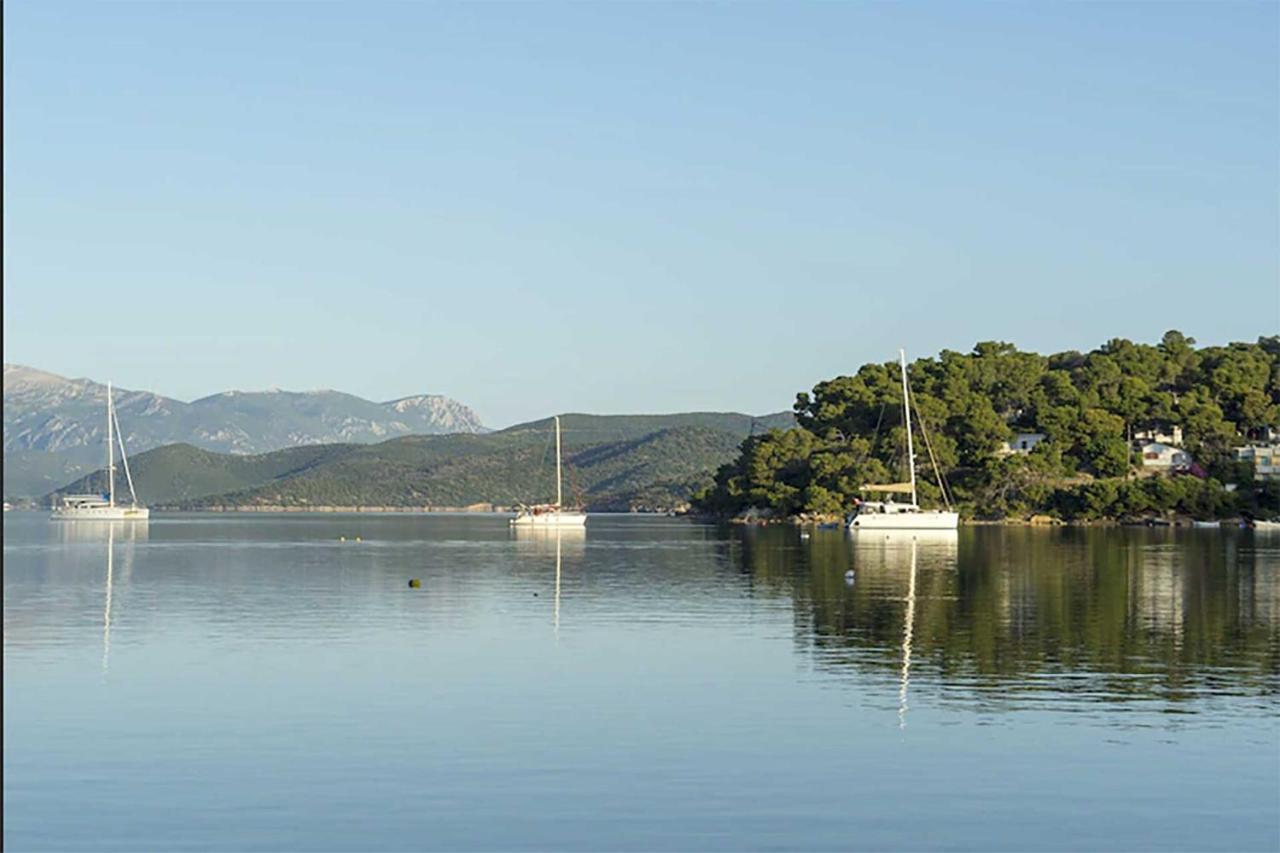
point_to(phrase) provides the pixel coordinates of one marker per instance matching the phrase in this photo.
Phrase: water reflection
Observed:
(883, 559)
(93, 532)
(557, 541)
(907, 625)
(935, 546)
(733, 673)
(106, 610)
(998, 613)
(530, 541)
(107, 533)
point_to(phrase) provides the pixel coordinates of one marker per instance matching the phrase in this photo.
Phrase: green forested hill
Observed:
(178, 473)
(1091, 407)
(580, 429)
(613, 462)
(34, 472)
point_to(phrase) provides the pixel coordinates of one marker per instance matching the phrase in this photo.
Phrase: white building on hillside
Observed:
(1265, 459)
(1164, 456)
(1173, 437)
(1022, 442)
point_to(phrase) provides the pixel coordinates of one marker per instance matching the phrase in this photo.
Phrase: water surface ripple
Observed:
(271, 682)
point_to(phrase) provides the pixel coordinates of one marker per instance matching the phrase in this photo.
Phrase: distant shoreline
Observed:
(421, 510)
(794, 521)
(474, 509)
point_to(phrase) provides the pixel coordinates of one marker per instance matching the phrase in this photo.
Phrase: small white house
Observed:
(1022, 442)
(1164, 456)
(1173, 437)
(1265, 459)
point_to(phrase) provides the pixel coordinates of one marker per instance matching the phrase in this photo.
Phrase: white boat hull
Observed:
(550, 519)
(102, 513)
(926, 520)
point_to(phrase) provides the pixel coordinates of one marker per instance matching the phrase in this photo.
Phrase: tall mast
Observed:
(906, 417)
(124, 457)
(558, 487)
(111, 457)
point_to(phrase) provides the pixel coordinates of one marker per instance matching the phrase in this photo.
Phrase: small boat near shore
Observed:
(551, 515)
(104, 507)
(890, 515)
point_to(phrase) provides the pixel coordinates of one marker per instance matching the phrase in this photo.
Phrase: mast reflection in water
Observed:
(1001, 616)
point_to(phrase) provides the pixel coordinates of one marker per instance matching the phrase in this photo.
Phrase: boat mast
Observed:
(124, 457)
(111, 458)
(906, 416)
(558, 487)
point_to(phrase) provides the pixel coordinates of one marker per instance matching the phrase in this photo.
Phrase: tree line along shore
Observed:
(1127, 431)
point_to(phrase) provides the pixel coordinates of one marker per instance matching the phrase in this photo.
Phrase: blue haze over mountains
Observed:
(54, 427)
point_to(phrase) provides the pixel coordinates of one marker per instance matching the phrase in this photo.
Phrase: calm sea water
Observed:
(250, 682)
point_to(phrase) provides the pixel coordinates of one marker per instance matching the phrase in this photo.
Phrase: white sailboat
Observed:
(551, 515)
(890, 515)
(100, 507)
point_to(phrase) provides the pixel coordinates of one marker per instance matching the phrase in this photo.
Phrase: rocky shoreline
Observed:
(1031, 521)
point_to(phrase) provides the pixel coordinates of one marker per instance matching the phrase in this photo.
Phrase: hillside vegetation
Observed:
(612, 463)
(1089, 406)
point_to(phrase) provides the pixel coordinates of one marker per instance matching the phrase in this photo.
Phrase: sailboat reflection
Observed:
(891, 549)
(907, 624)
(543, 543)
(106, 610)
(77, 532)
(880, 558)
(556, 618)
(561, 541)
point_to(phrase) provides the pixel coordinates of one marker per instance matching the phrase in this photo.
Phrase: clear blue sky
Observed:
(544, 207)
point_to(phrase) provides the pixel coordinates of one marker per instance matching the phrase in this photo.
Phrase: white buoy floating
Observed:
(848, 577)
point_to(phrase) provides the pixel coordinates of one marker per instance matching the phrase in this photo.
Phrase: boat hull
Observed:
(550, 519)
(102, 513)
(927, 520)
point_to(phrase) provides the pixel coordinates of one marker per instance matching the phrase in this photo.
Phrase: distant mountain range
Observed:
(328, 448)
(614, 463)
(54, 427)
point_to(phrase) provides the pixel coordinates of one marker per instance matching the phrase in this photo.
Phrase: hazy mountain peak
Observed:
(21, 377)
(47, 412)
(23, 373)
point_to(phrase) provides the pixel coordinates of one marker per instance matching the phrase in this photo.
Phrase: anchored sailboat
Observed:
(99, 507)
(890, 515)
(551, 515)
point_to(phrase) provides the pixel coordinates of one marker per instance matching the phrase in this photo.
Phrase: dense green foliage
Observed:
(850, 431)
(177, 473)
(612, 463)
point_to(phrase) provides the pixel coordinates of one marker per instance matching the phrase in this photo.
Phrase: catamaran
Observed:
(890, 515)
(104, 507)
(551, 515)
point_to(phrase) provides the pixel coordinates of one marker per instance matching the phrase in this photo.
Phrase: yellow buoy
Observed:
(414, 583)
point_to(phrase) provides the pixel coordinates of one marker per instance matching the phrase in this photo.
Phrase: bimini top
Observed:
(84, 500)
